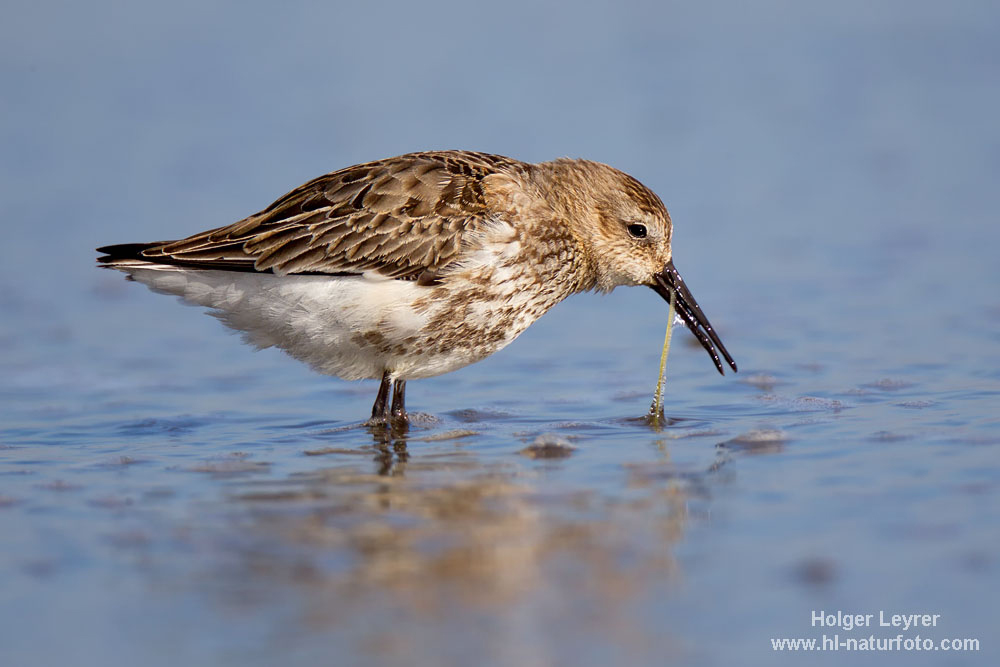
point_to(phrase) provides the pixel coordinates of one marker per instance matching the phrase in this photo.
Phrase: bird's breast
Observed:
(490, 298)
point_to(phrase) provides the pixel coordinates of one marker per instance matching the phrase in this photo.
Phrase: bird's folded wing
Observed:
(403, 217)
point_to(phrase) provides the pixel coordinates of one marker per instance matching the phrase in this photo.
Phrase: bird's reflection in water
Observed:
(455, 538)
(450, 534)
(389, 441)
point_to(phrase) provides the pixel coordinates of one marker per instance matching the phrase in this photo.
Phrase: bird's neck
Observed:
(560, 186)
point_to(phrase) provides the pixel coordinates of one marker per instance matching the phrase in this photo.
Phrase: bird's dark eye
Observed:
(636, 230)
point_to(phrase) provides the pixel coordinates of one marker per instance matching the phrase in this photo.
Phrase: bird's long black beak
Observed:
(667, 281)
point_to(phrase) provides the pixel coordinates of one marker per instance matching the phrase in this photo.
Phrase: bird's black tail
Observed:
(122, 251)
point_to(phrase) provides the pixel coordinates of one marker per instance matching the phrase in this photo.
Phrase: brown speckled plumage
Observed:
(416, 265)
(401, 217)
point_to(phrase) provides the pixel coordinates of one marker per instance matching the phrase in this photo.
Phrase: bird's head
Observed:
(626, 233)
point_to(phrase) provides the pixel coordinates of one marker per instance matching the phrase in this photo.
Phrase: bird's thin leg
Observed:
(399, 401)
(380, 412)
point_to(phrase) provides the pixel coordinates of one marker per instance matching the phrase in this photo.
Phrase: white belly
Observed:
(352, 327)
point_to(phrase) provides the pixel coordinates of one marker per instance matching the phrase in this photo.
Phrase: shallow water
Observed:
(168, 496)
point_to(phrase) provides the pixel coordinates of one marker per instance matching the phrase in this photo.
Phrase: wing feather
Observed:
(401, 217)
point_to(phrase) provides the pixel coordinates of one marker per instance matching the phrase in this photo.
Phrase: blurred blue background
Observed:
(831, 169)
